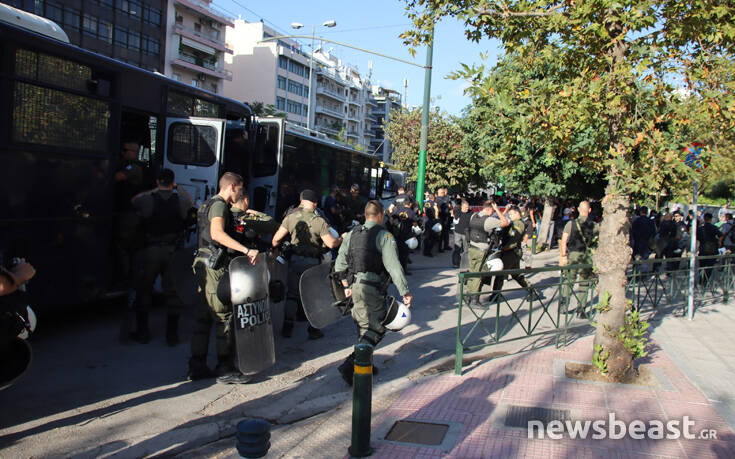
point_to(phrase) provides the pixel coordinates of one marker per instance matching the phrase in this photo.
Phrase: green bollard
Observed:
(362, 399)
(533, 244)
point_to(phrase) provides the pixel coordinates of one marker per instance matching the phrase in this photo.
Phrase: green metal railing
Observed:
(651, 284)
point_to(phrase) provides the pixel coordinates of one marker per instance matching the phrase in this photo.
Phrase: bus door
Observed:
(193, 151)
(264, 167)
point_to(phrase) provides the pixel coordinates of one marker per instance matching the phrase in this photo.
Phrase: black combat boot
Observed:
(347, 369)
(228, 374)
(287, 329)
(142, 334)
(172, 329)
(314, 333)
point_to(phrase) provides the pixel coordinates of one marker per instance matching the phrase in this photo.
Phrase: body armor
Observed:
(364, 256)
(165, 223)
(579, 242)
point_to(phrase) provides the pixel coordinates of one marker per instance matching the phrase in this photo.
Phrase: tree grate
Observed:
(421, 433)
(520, 416)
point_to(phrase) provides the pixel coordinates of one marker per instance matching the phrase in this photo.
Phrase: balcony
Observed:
(326, 91)
(320, 108)
(354, 101)
(201, 65)
(200, 36)
(326, 128)
(352, 134)
(353, 117)
(205, 9)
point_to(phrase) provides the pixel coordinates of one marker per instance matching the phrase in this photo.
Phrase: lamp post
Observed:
(298, 25)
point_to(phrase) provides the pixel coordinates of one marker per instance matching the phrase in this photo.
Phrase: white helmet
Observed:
(398, 315)
(29, 325)
(412, 243)
(494, 262)
(417, 230)
(437, 228)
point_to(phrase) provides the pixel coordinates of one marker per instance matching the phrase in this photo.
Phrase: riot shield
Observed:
(318, 298)
(14, 362)
(251, 311)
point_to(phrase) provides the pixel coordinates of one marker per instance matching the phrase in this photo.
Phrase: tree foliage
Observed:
(638, 80)
(448, 164)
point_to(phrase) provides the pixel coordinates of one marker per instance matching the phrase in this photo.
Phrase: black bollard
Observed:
(362, 399)
(253, 438)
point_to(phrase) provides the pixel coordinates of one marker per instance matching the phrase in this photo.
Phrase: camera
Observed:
(285, 252)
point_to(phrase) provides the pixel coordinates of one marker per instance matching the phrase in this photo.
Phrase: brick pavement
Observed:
(476, 402)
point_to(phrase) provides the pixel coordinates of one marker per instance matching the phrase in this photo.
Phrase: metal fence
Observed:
(549, 306)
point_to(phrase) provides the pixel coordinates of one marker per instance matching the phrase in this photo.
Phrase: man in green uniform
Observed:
(163, 210)
(215, 237)
(577, 243)
(309, 234)
(512, 252)
(368, 261)
(480, 227)
(126, 234)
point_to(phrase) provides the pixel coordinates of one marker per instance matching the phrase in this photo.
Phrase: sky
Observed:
(376, 25)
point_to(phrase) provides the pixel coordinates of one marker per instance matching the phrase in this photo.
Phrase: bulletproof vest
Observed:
(165, 222)
(463, 223)
(512, 237)
(205, 238)
(477, 228)
(364, 256)
(580, 242)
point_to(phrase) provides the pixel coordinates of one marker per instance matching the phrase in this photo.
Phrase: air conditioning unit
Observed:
(201, 77)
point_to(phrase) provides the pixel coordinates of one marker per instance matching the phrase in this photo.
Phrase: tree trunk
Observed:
(546, 221)
(611, 260)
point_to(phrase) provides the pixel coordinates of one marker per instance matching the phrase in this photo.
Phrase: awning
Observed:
(198, 46)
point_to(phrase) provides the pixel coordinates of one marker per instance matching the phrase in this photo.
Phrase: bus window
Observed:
(265, 158)
(236, 148)
(192, 144)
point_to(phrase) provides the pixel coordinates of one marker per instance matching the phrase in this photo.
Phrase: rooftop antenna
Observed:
(370, 69)
(405, 93)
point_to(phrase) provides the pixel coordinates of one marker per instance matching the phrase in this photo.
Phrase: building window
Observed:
(294, 87)
(283, 62)
(280, 103)
(121, 36)
(90, 25)
(179, 19)
(54, 11)
(293, 107)
(134, 40)
(305, 91)
(296, 68)
(281, 83)
(213, 87)
(176, 77)
(151, 46)
(152, 16)
(105, 31)
(71, 18)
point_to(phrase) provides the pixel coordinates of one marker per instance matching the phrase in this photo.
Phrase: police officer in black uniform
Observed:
(462, 219)
(216, 233)
(163, 210)
(444, 205)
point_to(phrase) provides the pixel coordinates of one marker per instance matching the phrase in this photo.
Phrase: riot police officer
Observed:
(162, 210)
(309, 234)
(444, 204)
(215, 237)
(512, 251)
(402, 200)
(577, 242)
(367, 262)
(481, 229)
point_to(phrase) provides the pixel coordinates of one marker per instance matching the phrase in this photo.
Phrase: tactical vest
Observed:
(205, 237)
(579, 242)
(364, 256)
(165, 223)
(402, 200)
(512, 238)
(476, 228)
(463, 223)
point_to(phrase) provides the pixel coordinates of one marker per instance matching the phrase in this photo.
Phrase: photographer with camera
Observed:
(216, 232)
(309, 233)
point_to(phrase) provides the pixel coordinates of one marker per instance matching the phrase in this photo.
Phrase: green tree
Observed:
(624, 59)
(261, 109)
(448, 163)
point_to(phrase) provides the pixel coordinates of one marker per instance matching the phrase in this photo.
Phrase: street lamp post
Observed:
(298, 25)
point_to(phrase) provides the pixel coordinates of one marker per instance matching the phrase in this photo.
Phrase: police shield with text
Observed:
(210, 268)
(366, 263)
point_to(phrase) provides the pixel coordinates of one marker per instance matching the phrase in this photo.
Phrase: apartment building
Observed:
(132, 31)
(272, 72)
(196, 46)
(383, 102)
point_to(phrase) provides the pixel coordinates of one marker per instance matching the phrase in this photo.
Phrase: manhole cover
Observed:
(519, 416)
(422, 433)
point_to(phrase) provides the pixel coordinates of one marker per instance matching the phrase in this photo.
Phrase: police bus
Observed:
(64, 113)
